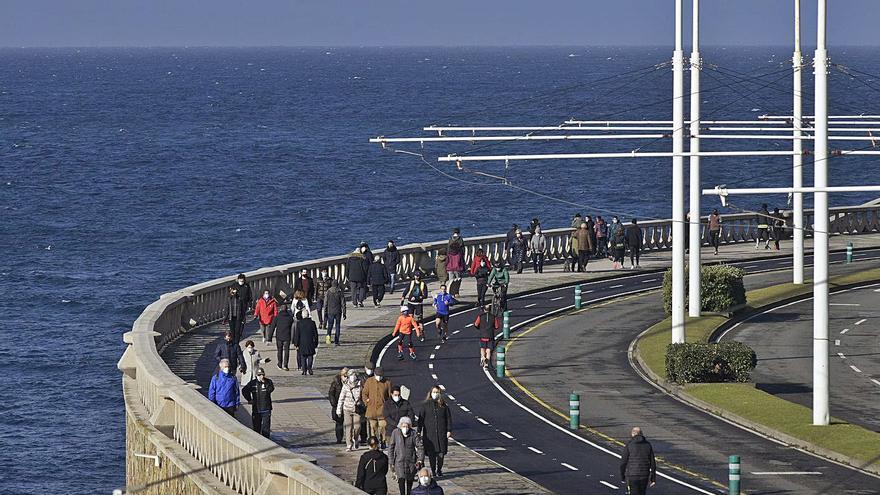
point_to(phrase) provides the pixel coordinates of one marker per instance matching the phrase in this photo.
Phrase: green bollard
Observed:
(574, 411)
(733, 488)
(577, 297)
(506, 325)
(849, 252)
(499, 362)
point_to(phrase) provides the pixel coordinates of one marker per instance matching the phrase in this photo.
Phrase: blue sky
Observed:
(416, 22)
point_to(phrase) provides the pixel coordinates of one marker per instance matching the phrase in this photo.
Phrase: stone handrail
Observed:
(229, 457)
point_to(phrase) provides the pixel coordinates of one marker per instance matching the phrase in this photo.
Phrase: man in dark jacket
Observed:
(377, 277)
(391, 258)
(591, 228)
(395, 408)
(322, 285)
(283, 333)
(511, 235)
(372, 470)
(306, 341)
(334, 310)
(258, 392)
(333, 396)
(230, 350)
(637, 465)
(356, 267)
(305, 283)
(633, 236)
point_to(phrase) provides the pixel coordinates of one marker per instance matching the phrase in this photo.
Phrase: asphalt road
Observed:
(782, 339)
(527, 439)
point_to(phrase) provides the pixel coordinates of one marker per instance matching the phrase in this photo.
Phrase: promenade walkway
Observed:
(301, 416)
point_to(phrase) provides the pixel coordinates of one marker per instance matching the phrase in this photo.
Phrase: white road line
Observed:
(876, 290)
(464, 408)
(530, 305)
(433, 376)
(441, 387)
(569, 466)
(481, 420)
(451, 397)
(837, 342)
(844, 331)
(840, 354)
(431, 356)
(876, 382)
(557, 298)
(609, 485)
(843, 304)
(616, 286)
(455, 332)
(588, 291)
(490, 449)
(861, 321)
(855, 369)
(784, 473)
(430, 366)
(536, 451)
(436, 347)
(649, 281)
(508, 435)
(469, 325)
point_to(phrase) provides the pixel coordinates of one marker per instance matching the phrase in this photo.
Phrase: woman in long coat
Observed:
(435, 426)
(406, 454)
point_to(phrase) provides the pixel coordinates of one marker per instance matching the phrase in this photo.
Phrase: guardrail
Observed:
(235, 459)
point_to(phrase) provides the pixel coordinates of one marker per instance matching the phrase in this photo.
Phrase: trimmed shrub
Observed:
(722, 288)
(700, 362)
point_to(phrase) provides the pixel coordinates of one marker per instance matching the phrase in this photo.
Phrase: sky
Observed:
(85, 23)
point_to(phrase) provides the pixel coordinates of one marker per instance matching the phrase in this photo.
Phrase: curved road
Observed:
(525, 438)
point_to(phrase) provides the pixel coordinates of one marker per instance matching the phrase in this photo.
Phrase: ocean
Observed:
(126, 173)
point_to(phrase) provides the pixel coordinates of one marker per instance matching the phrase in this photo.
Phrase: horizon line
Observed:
(805, 47)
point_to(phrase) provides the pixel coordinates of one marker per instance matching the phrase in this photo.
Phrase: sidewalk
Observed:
(301, 415)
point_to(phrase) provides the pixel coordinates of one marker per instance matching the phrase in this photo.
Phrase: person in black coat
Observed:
(633, 236)
(333, 396)
(259, 393)
(637, 464)
(356, 267)
(377, 277)
(372, 470)
(508, 240)
(435, 426)
(305, 283)
(396, 407)
(229, 349)
(235, 313)
(391, 258)
(306, 341)
(283, 327)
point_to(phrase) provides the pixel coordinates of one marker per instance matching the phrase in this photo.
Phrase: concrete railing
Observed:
(184, 427)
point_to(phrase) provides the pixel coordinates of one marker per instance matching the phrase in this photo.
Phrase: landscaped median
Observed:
(757, 410)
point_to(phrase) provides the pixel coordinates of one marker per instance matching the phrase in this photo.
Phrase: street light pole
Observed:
(678, 220)
(694, 237)
(797, 200)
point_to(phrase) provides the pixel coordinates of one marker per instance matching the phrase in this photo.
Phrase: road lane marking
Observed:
(451, 397)
(840, 355)
(508, 435)
(569, 466)
(490, 449)
(464, 408)
(837, 342)
(530, 305)
(441, 387)
(433, 376)
(557, 298)
(876, 382)
(588, 291)
(536, 451)
(861, 321)
(481, 420)
(855, 369)
(609, 485)
(469, 325)
(844, 331)
(785, 473)
(430, 366)
(616, 286)
(437, 348)
(843, 304)
(649, 281)
(455, 332)
(431, 356)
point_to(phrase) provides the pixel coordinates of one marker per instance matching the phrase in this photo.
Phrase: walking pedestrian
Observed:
(487, 324)
(333, 396)
(414, 296)
(508, 240)
(322, 285)
(406, 454)
(715, 221)
(638, 468)
(571, 252)
(519, 249)
(223, 389)
(435, 426)
(405, 326)
(368, 256)
(258, 393)
(534, 225)
(633, 244)
(479, 257)
(300, 303)
(601, 229)
(440, 266)
(618, 247)
(778, 227)
(372, 470)
(356, 266)
(334, 311)
(538, 246)
(591, 231)
(350, 407)
(481, 275)
(306, 342)
(306, 285)
(377, 277)
(230, 351)
(377, 390)
(283, 330)
(391, 258)
(253, 361)
(395, 408)
(455, 260)
(427, 485)
(442, 302)
(235, 313)
(265, 311)
(499, 280)
(577, 221)
(584, 246)
(762, 219)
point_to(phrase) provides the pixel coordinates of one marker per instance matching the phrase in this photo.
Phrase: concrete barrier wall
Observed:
(201, 449)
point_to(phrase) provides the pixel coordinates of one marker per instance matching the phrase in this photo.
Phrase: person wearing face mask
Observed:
(306, 342)
(300, 303)
(258, 393)
(234, 313)
(254, 361)
(406, 454)
(481, 273)
(601, 229)
(391, 258)
(347, 407)
(508, 240)
(443, 301)
(322, 285)
(265, 312)
(414, 295)
(427, 485)
(357, 267)
(396, 407)
(245, 301)
(376, 391)
(519, 249)
(591, 230)
(440, 266)
(363, 376)
(230, 351)
(377, 277)
(333, 395)
(334, 311)
(499, 280)
(618, 247)
(435, 426)
(455, 260)
(306, 285)
(584, 246)
(223, 390)
(538, 246)
(283, 332)
(634, 244)
(404, 326)
(372, 470)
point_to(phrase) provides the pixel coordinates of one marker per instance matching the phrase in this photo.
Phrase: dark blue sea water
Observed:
(127, 173)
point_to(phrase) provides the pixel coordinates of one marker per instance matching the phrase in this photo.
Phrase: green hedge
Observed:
(722, 288)
(700, 362)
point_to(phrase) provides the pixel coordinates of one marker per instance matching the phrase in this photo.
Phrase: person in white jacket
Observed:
(254, 362)
(347, 407)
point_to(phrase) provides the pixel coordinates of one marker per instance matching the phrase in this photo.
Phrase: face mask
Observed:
(323, 274)
(455, 236)
(368, 371)
(225, 370)
(379, 377)
(395, 398)
(615, 220)
(266, 296)
(482, 263)
(240, 282)
(250, 350)
(435, 395)
(352, 379)
(424, 480)
(404, 430)
(261, 377)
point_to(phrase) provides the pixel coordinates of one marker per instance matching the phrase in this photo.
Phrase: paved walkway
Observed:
(301, 416)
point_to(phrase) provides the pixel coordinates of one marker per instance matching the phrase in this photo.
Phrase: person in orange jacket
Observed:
(265, 311)
(404, 326)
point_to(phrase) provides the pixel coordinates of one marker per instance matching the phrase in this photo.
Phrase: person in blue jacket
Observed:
(442, 301)
(224, 388)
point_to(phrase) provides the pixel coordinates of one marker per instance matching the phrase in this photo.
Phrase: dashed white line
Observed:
(649, 281)
(876, 382)
(844, 331)
(431, 356)
(536, 451)
(508, 435)
(464, 408)
(569, 466)
(481, 420)
(609, 485)
(855, 369)
(840, 355)
(530, 305)
(430, 366)
(616, 286)
(455, 332)
(433, 376)
(469, 325)
(785, 473)
(837, 342)
(451, 397)
(441, 387)
(861, 321)
(557, 298)
(588, 291)
(843, 304)
(436, 347)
